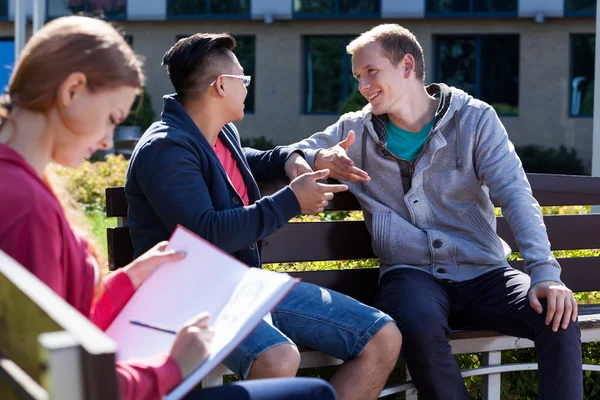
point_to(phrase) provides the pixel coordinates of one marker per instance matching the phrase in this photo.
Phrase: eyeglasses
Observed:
(244, 78)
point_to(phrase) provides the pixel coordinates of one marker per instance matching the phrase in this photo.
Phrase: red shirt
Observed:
(35, 232)
(232, 170)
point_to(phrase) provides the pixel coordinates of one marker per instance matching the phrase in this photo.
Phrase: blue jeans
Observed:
(268, 389)
(422, 306)
(315, 317)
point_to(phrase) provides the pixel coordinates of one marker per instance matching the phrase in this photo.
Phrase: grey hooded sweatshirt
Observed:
(435, 214)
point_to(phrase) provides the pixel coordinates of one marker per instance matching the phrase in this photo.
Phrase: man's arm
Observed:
(497, 163)
(269, 165)
(328, 150)
(178, 194)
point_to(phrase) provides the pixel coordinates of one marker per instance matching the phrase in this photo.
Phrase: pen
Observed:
(155, 327)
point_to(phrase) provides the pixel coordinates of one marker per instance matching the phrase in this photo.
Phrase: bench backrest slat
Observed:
(549, 190)
(579, 274)
(350, 239)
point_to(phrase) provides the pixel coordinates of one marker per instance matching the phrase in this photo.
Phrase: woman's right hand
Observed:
(191, 346)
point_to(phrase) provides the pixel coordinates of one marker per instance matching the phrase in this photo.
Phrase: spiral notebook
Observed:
(208, 279)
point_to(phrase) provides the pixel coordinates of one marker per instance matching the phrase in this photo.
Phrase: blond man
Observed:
(423, 161)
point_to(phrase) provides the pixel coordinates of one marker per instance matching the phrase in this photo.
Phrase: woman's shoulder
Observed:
(24, 194)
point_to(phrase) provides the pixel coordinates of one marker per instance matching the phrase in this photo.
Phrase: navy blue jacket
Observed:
(175, 177)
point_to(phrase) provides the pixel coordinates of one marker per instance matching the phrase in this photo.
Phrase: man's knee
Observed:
(277, 362)
(384, 347)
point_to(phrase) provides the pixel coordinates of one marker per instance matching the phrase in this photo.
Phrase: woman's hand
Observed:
(191, 346)
(143, 266)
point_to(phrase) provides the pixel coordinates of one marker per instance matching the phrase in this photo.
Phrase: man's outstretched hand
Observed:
(340, 166)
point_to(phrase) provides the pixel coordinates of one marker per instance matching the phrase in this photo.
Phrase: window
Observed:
(3, 9)
(481, 8)
(7, 60)
(246, 54)
(580, 7)
(245, 51)
(110, 9)
(208, 8)
(582, 75)
(345, 8)
(328, 73)
(486, 67)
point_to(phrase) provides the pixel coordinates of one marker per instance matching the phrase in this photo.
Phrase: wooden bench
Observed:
(48, 350)
(346, 240)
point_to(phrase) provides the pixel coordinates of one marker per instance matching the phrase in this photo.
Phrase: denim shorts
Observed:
(315, 317)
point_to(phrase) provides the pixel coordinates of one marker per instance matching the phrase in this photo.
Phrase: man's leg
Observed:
(342, 327)
(498, 301)
(420, 304)
(266, 353)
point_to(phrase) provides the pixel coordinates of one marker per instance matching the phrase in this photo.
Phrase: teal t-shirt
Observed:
(404, 144)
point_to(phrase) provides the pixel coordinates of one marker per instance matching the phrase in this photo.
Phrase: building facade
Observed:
(533, 60)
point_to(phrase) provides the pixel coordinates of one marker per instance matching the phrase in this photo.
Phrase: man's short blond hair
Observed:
(396, 42)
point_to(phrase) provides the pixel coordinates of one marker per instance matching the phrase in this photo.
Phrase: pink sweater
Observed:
(35, 232)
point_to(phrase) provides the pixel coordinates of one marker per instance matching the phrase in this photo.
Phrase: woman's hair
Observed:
(62, 47)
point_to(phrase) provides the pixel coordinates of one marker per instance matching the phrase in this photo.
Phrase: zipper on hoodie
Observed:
(411, 165)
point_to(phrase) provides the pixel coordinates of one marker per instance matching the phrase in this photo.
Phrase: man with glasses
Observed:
(189, 169)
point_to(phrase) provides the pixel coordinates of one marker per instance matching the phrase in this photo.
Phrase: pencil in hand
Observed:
(155, 327)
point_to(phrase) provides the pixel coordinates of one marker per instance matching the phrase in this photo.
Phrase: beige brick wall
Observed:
(544, 71)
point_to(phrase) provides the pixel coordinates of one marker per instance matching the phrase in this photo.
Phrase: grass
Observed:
(98, 223)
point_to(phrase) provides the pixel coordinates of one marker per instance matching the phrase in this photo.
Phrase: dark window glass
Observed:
(582, 75)
(486, 67)
(471, 6)
(336, 6)
(246, 54)
(107, 8)
(580, 6)
(207, 7)
(3, 9)
(328, 72)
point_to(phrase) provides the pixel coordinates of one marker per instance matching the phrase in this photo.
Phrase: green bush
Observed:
(537, 159)
(87, 183)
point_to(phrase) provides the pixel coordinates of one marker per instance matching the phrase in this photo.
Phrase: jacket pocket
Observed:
(381, 235)
(484, 233)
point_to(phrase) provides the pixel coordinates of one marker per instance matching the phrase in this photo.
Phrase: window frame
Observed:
(123, 17)
(208, 15)
(478, 72)
(472, 14)
(572, 36)
(337, 14)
